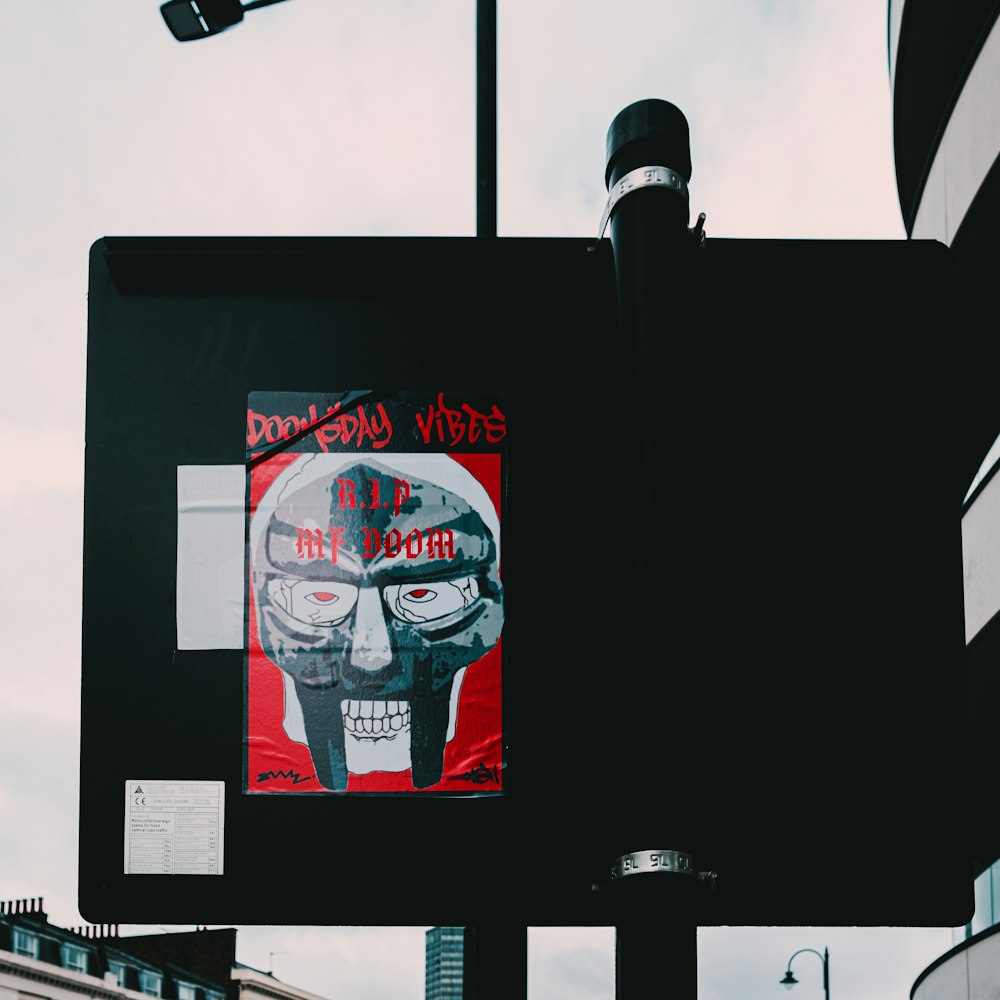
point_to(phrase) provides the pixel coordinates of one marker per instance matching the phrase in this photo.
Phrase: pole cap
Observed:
(663, 130)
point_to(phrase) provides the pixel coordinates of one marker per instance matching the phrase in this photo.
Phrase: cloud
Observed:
(578, 962)
(778, 121)
(865, 963)
(365, 963)
(358, 118)
(39, 804)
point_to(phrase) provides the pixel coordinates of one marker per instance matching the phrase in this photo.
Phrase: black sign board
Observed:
(416, 458)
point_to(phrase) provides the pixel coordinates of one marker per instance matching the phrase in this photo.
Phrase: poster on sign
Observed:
(374, 603)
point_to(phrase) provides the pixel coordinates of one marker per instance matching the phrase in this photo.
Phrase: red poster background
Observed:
(473, 760)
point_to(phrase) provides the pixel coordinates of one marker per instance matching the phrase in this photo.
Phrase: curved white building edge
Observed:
(967, 149)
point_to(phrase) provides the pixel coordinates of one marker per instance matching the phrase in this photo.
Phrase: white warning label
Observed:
(174, 827)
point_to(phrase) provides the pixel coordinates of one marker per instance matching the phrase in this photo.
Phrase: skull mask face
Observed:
(375, 587)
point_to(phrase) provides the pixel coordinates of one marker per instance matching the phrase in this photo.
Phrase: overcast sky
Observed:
(356, 117)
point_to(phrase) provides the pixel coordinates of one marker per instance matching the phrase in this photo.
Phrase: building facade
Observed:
(443, 963)
(944, 70)
(40, 961)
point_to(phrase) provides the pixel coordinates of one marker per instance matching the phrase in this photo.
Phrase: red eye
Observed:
(322, 597)
(422, 592)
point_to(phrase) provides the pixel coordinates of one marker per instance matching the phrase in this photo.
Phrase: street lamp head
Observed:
(789, 981)
(191, 19)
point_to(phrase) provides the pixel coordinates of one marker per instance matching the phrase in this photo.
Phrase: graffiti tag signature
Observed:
(480, 775)
(297, 779)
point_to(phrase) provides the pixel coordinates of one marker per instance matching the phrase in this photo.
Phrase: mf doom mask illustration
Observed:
(376, 582)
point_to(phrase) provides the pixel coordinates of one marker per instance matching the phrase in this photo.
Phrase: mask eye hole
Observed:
(420, 595)
(322, 597)
(425, 602)
(316, 602)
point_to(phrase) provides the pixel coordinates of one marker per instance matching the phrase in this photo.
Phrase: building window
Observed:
(185, 991)
(983, 916)
(214, 995)
(25, 943)
(74, 958)
(151, 983)
(117, 969)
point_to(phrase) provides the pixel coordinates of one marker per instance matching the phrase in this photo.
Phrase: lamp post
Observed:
(789, 981)
(192, 19)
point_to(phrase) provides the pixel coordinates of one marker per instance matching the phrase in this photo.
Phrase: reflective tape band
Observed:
(653, 861)
(639, 178)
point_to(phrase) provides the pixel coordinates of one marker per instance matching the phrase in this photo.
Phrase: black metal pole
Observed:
(486, 118)
(495, 965)
(656, 960)
(648, 165)
(647, 169)
(656, 926)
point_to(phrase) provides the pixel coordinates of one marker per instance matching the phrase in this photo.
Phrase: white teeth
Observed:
(382, 719)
